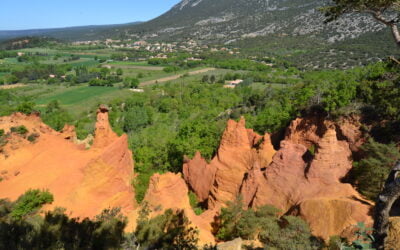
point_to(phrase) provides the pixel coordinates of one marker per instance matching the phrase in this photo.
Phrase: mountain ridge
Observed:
(65, 33)
(230, 20)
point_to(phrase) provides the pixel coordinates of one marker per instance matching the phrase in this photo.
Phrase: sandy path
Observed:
(156, 68)
(170, 78)
(12, 86)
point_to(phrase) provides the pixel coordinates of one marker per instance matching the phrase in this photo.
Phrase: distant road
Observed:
(157, 68)
(170, 78)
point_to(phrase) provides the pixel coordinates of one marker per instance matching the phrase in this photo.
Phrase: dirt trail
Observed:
(12, 86)
(170, 78)
(155, 68)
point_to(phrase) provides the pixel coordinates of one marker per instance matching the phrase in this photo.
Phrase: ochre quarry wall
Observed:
(84, 181)
(302, 178)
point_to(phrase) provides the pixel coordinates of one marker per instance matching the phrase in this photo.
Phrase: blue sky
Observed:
(32, 14)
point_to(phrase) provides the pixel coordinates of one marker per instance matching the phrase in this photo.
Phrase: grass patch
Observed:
(77, 95)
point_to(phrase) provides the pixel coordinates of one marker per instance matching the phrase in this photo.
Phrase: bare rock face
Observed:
(328, 216)
(349, 128)
(104, 135)
(308, 131)
(281, 185)
(169, 191)
(302, 178)
(309, 185)
(238, 153)
(234, 158)
(250, 186)
(235, 244)
(83, 181)
(332, 159)
(200, 176)
(69, 132)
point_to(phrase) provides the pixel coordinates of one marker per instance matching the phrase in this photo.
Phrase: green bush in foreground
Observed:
(170, 230)
(264, 224)
(30, 202)
(371, 172)
(21, 227)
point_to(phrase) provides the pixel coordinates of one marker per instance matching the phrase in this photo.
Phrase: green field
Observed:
(77, 95)
(80, 99)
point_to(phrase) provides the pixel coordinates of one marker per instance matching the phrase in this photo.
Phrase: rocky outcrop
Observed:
(235, 244)
(308, 183)
(169, 191)
(349, 129)
(69, 132)
(200, 176)
(104, 135)
(83, 181)
(332, 160)
(308, 131)
(302, 178)
(240, 149)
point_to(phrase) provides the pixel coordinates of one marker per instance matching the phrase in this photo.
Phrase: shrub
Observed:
(57, 231)
(51, 81)
(3, 138)
(263, 224)
(11, 79)
(30, 202)
(170, 69)
(100, 82)
(371, 172)
(170, 230)
(136, 118)
(21, 130)
(26, 107)
(131, 83)
(32, 137)
(205, 78)
(195, 204)
(55, 116)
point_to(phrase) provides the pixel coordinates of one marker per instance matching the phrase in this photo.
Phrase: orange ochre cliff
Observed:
(303, 177)
(83, 181)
